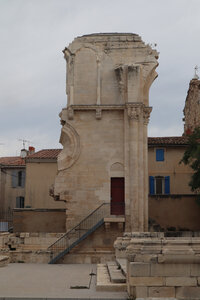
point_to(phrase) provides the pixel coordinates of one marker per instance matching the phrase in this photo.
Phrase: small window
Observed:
(159, 185)
(19, 178)
(159, 154)
(20, 202)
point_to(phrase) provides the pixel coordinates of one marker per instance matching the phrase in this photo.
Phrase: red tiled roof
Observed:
(168, 140)
(45, 153)
(12, 161)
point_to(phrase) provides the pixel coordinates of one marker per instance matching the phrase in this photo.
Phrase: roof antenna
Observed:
(195, 72)
(24, 141)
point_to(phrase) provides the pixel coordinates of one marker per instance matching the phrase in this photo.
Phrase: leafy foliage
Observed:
(191, 157)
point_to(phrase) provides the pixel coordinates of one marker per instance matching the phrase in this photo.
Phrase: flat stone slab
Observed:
(4, 260)
(115, 272)
(162, 298)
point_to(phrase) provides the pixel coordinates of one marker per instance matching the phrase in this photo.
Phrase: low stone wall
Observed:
(178, 212)
(39, 220)
(163, 266)
(27, 247)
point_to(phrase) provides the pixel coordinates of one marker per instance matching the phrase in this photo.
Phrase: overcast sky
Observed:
(33, 34)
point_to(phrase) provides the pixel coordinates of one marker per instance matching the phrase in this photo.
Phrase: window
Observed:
(18, 178)
(159, 185)
(19, 202)
(159, 154)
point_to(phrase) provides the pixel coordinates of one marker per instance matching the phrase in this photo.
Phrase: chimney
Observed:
(31, 150)
(24, 153)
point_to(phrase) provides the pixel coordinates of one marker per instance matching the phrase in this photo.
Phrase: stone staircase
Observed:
(111, 276)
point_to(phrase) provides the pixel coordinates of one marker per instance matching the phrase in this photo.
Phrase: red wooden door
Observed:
(117, 196)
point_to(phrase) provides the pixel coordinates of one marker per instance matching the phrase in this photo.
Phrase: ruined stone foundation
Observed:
(159, 266)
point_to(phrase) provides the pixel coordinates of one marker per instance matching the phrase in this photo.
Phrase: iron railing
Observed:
(69, 240)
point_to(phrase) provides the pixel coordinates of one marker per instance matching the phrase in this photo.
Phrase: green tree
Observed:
(191, 157)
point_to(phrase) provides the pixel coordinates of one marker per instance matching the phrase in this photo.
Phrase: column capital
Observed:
(134, 110)
(146, 114)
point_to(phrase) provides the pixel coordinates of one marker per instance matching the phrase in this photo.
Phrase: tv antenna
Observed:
(24, 142)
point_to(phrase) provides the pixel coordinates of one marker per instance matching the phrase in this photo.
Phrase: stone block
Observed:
(147, 281)
(139, 269)
(146, 258)
(181, 281)
(141, 291)
(188, 292)
(195, 269)
(170, 270)
(161, 291)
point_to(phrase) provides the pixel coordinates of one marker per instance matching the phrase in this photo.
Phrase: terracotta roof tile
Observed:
(12, 161)
(45, 153)
(168, 140)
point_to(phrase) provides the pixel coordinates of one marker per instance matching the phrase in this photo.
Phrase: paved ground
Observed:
(43, 281)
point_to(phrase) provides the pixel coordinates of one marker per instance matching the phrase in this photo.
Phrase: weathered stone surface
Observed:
(161, 292)
(181, 281)
(191, 110)
(140, 291)
(170, 270)
(138, 269)
(195, 270)
(104, 128)
(188, 292)
(147, 281)
(4, 260)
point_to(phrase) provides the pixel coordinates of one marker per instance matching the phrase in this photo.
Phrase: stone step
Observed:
(104, 283)
(122, 264)
(115, 272)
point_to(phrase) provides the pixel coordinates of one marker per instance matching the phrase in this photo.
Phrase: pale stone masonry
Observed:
(159, 266)
(192, 107)
(104, 133)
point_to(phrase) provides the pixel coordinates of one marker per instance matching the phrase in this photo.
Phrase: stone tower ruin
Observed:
(192, 107)
(104, 128)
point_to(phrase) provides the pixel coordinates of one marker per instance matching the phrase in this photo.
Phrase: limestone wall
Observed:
(104, 131)
(158, 266)
(39, 220)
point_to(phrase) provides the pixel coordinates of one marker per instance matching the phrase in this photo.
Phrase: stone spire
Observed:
(192, 105)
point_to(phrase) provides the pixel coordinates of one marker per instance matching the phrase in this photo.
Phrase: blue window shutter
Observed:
(23, 179)
(167, 185)
(151, 185)
(159, 154)
(14, 178)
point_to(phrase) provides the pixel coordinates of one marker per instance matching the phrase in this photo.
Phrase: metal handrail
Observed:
(70, 239)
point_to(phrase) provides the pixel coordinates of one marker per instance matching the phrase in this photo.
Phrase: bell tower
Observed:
(104, 127)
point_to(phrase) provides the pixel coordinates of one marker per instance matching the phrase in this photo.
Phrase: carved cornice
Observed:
(95, 107)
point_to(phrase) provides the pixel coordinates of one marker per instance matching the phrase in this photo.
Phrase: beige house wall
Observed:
(8, 193)
(179, 173)
(39, 178)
